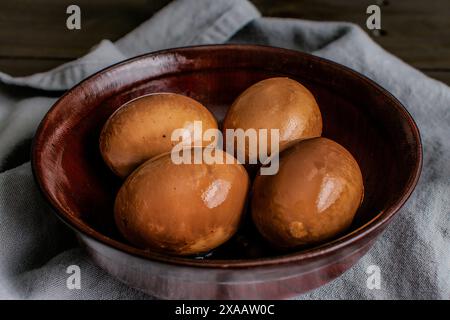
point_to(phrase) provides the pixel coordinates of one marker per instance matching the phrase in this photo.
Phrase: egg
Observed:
(313, 197)
(274, 103)
(182, 209)
(142, 129)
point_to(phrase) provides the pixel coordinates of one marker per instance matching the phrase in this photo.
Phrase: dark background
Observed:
(34, 37)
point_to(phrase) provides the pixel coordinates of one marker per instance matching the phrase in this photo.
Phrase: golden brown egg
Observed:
(275, 103)
(181, 209)
(142, 129)
(313, 197)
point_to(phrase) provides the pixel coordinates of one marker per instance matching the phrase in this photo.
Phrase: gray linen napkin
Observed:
(35, 248)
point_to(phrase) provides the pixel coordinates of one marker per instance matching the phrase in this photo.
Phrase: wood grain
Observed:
(441, 75)
(416, 31)
(38, 28)
(22, 66)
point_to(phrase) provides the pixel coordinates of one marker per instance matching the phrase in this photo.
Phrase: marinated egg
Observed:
(142, 129)
(274, 103)
(182, 209)
(313, 197)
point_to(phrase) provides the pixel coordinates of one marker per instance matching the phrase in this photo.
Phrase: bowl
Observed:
(357, 113)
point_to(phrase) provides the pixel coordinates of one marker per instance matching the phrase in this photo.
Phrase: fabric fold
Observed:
(176, 25)
(413, 255)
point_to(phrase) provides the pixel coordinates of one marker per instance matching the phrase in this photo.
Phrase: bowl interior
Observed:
(356, 113)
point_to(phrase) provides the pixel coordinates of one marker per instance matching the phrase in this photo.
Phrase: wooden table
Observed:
(34, 37)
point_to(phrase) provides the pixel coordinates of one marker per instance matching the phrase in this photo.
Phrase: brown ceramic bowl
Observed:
(357, 113)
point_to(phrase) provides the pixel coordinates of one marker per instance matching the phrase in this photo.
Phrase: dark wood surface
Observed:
(356, 113)
(33, 36)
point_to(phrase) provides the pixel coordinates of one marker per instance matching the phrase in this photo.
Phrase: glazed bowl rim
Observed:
(376, 223)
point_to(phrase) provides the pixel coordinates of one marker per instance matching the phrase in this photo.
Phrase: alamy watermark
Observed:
(73, 21)
(73, 281)
(247, 146)
(374, 279)
(373, 22)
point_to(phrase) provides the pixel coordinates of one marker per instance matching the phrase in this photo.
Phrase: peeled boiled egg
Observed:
(142, 129)
(182, 209)
(313, 197)
(274, 103)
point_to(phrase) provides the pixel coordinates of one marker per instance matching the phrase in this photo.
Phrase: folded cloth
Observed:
(36, 249)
